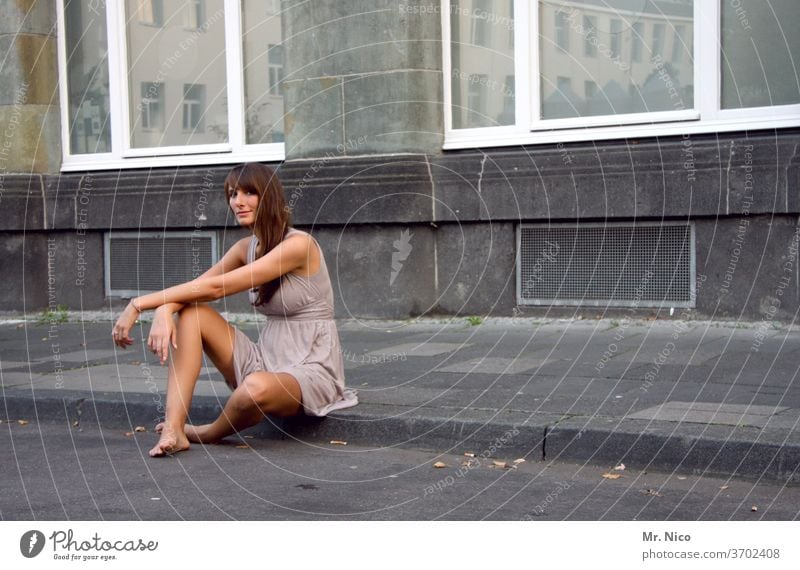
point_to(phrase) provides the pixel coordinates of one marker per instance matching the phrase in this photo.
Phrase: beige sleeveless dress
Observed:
(299, 338)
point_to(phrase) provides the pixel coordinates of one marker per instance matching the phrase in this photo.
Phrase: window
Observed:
(275, 69)
(87, 111)
(159, 96)
(263, 73)
(194, 97)
(677, 44)
(150, 12)
(490, 62)
(562, 31)
(589, 32)
(760, 53)
(152, 106)
(478, 84)
(195, 14)
(615, 37)
(480, 22)
(658, 40)
(637, 38)
(637, 69)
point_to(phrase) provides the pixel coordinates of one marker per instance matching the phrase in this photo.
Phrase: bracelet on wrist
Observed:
(135, 306)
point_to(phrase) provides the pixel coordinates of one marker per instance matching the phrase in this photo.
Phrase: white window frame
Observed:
(122, 156)
(707, 116)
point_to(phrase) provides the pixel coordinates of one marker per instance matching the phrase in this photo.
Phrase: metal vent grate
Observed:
(635, 265)
(140, 262)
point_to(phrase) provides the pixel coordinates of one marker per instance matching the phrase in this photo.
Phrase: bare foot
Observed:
(170, 442)
(195, 434)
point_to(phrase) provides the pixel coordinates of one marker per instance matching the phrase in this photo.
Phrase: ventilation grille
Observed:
(140, 262)
(636, 265)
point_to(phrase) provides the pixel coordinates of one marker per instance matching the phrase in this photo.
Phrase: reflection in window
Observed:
(87, 77)
(482, 65)
(589, 36)
(150, 12)
(480, 22)
(658, 40)
(677, 45)
(602, 76)
(263, 71)
(152, 106)
(562, 31)
(760, 49)
(275, 69)
(194, 102)
(195, 14)
(477, 96)
(162, 116)
(637, 40)
(615, 39)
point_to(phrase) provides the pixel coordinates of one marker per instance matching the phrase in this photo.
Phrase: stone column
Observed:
(30, 147)
(362, 77)
(29, 111)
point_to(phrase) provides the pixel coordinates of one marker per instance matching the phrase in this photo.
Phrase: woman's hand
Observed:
(122, 328)
(162, 333)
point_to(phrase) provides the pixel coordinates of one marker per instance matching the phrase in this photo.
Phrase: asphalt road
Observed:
(59, 472)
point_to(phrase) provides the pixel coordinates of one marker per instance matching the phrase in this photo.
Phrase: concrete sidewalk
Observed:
(689, 397)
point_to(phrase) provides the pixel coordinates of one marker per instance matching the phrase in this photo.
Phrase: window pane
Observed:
(482, 75)
(164, 55)
(87, 76)
(618, 57)
(760, 53)
(263, 71)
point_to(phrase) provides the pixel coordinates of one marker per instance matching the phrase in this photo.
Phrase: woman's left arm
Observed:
(287, 256)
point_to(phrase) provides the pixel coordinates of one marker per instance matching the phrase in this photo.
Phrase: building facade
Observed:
(455, 157)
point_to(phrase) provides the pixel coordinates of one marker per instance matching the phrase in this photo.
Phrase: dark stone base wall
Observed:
(423, 234)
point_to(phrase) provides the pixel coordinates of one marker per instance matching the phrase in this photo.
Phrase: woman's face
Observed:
(244, 204)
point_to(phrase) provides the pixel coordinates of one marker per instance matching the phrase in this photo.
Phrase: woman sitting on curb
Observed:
(296, 365)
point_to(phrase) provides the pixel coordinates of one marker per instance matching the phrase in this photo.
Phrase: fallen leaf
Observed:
(681, 478)
(652, 492)
(128, 434)
(469, 454)
(620, 467)
(723, 487)
(139, 429)
(338, 442)
(501, 464)
(439, 464)
(754, 508)
(243, 446)
(307, 486)
(612, 475)
(76, 423)
(518, 461)
(23, 422)
(155, 498)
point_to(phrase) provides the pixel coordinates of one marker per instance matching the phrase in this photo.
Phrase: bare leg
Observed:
(261, 393)
(199, 326)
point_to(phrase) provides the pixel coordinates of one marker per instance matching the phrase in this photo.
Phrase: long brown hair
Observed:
(272, 216)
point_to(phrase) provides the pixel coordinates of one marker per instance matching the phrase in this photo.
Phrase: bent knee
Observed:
(266, 391)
